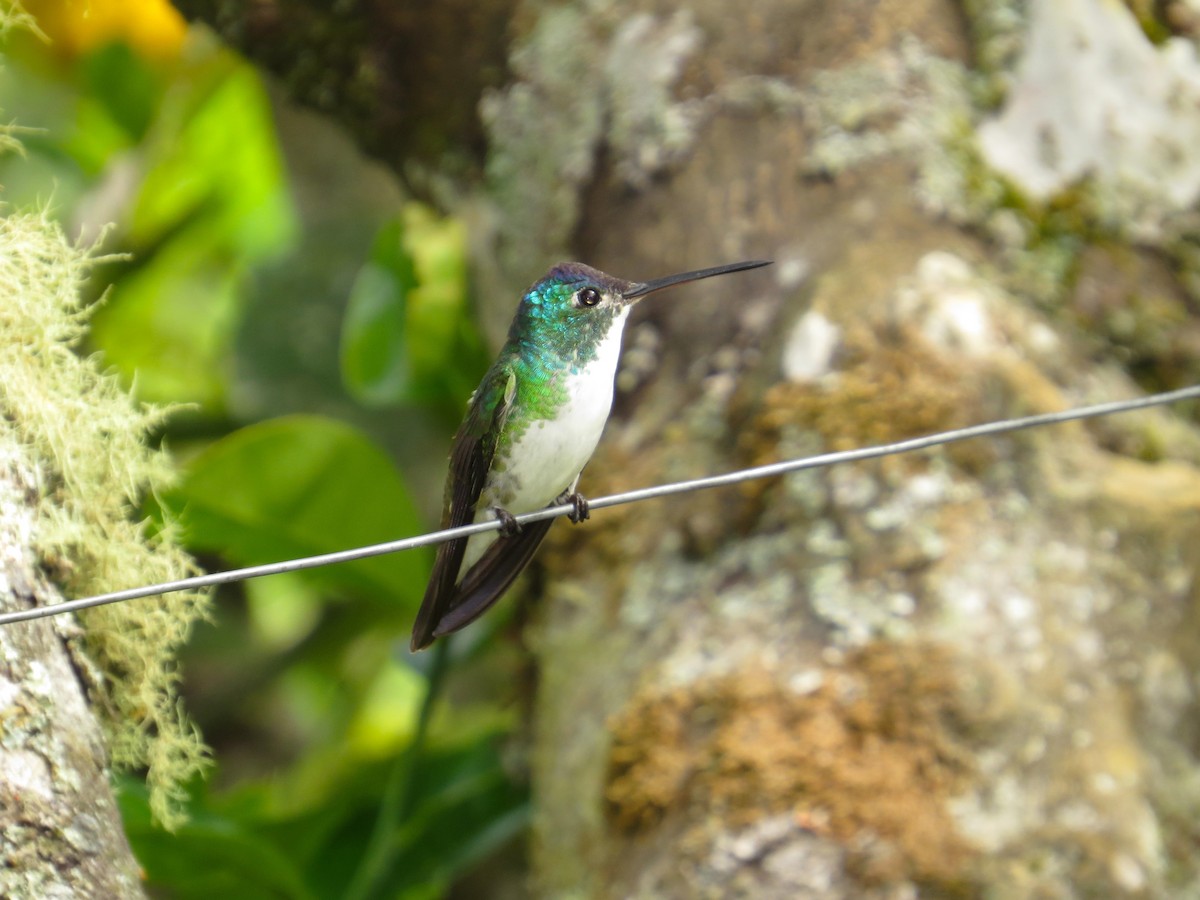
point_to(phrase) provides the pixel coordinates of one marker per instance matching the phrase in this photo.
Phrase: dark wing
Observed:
(470, 460)
(489, 578)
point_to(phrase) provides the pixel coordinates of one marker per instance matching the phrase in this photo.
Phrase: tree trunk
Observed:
(969, 672)
(60, 833)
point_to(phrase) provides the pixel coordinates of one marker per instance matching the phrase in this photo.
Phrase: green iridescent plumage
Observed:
(549, 339)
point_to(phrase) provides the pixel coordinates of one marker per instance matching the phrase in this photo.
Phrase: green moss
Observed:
(997, 29)
(87, 439)
(1150, 18)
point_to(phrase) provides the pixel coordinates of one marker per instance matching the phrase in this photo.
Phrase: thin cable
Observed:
(664, 490)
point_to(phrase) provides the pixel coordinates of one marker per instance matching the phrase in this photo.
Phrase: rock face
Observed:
(1093, 98)
(968, 672)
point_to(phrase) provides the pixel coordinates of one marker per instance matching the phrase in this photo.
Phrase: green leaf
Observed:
(209, 856)
(213, 155)
(96, 139)
(299, 486)
(407, 335)
(126, 86)
(169, 324)
(374, 351)
(439, 304)
(213, 201)
(467, 808)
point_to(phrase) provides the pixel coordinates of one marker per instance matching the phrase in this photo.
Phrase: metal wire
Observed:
(664, 490)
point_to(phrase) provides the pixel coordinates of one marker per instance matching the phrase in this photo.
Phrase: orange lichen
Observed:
(874, 752)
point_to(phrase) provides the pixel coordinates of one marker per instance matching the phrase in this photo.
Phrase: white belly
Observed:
(547, 458)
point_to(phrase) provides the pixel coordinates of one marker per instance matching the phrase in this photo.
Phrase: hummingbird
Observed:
(530, 428)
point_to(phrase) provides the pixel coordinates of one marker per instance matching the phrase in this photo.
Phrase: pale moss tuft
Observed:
(87, 440)
(14, 16)
(8, 140)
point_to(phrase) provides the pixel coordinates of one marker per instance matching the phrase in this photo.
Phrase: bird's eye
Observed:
(589, 296)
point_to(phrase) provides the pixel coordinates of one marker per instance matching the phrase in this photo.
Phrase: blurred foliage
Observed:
(183, 158)
(212, 202)
(272, 491)
(344, 765)
(406, 337)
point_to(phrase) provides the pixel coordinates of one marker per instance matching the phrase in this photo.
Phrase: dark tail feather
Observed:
(440, 594)
(487, 580)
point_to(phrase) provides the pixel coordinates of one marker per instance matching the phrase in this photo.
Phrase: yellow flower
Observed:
(151, 27)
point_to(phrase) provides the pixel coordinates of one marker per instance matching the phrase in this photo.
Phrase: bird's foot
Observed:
(509, 526)
(582, 510)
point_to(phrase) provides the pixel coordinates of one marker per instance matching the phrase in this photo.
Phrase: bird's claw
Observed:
(582, 510)
(509, 526)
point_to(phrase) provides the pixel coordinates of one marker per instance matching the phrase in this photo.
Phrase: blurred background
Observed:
(313, 329)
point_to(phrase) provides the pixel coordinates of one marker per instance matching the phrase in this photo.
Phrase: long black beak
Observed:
(642, 288)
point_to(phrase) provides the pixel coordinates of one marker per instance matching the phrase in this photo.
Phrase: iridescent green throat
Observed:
(549, 342)
(549, 331)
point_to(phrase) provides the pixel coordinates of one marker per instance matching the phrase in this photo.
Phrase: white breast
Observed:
(548, 457)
